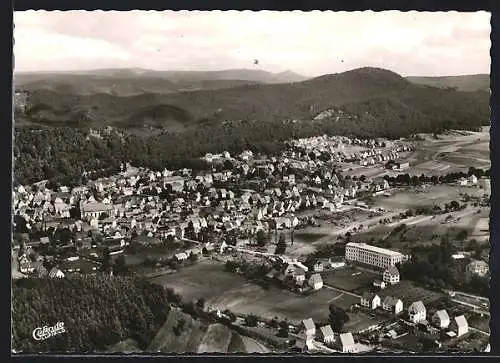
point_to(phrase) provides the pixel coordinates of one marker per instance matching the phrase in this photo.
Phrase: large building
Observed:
(371, 255)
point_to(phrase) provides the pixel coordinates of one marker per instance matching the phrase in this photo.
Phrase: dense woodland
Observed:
(97, 311)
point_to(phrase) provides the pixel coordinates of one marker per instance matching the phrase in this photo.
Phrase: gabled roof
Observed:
(417, 306)
(315, 278)
(369, 296)
(461, 321)
(326, 331)
(347, 339)
(392, 270)
(442, 315)
(309, 324)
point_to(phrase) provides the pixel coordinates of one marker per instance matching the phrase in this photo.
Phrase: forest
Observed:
(97, 311)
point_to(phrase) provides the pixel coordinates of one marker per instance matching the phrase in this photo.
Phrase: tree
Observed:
(251, 320)
(281, 246)
(106, 260)
(120, 265)
(283, 329)
(261, 238)
(337, 318)
(193, 257)
(201, 303)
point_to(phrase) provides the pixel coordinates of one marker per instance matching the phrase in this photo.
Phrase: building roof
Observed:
(461, 321)
(327, 331)
(392, 270)
(367, 247)
(369, 295)
(391, 301)
(417, 306)
(309, 324)
(347, 339)
(315, 278)
(442, 315)
(96, 207)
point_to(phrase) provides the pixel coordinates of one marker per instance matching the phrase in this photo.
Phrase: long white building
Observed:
(371, 255)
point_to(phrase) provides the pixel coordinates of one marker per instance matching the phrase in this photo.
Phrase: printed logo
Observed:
(48, 331)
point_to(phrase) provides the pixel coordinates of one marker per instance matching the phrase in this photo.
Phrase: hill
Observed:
(97, 311)
(468, 83)
(378, 95)
(182, 334)
(129, 82)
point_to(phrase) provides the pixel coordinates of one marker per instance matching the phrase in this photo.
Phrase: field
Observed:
(224, 290)
(350, 279)
(408, 293)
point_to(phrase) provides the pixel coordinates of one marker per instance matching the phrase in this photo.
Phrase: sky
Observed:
(309, 43)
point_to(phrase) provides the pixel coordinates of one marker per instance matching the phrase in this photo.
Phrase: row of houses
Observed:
(343, 342)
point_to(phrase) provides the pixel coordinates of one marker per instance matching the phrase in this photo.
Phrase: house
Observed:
(318, 266)
(308, 327)
(347, 344)
(181, 256)
(441, 319)
(380, 284)
(391, 275)
(417, 312)
(459, 325)
(479, 268)
(326, 335)
(473, 179)
(371, 301)
(56, 273)
(393, 305)
(315, 281)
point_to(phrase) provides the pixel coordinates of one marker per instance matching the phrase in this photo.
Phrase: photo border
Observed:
(344, 5)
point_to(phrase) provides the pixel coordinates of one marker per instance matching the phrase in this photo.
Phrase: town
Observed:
(314, 249)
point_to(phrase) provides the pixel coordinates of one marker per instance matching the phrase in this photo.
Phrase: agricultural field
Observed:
(224, 290)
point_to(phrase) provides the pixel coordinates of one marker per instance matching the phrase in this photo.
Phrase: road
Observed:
(475, 307)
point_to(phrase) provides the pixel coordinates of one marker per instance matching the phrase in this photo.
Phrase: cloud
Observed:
(311, 43)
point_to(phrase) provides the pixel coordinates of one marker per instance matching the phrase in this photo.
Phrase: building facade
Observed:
(371, 255)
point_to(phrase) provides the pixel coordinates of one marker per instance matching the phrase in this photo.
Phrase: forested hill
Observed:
(377, 95)
(97, 311)
(471, 83)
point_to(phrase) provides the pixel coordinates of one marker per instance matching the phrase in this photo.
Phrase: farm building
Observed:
(380, 284)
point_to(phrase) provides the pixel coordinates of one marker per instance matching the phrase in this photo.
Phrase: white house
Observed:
(308, 327)
(417, 312)
(391, 275)
(315, 281)
(326, 335)
(460, 325)
(347, 344)
(181, 256)
(441, 319)
(371, 301)
(56, 273)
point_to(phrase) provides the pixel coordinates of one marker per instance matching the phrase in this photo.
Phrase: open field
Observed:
(350, 279)
(224, 290)
(424, 196)
(409, 293)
